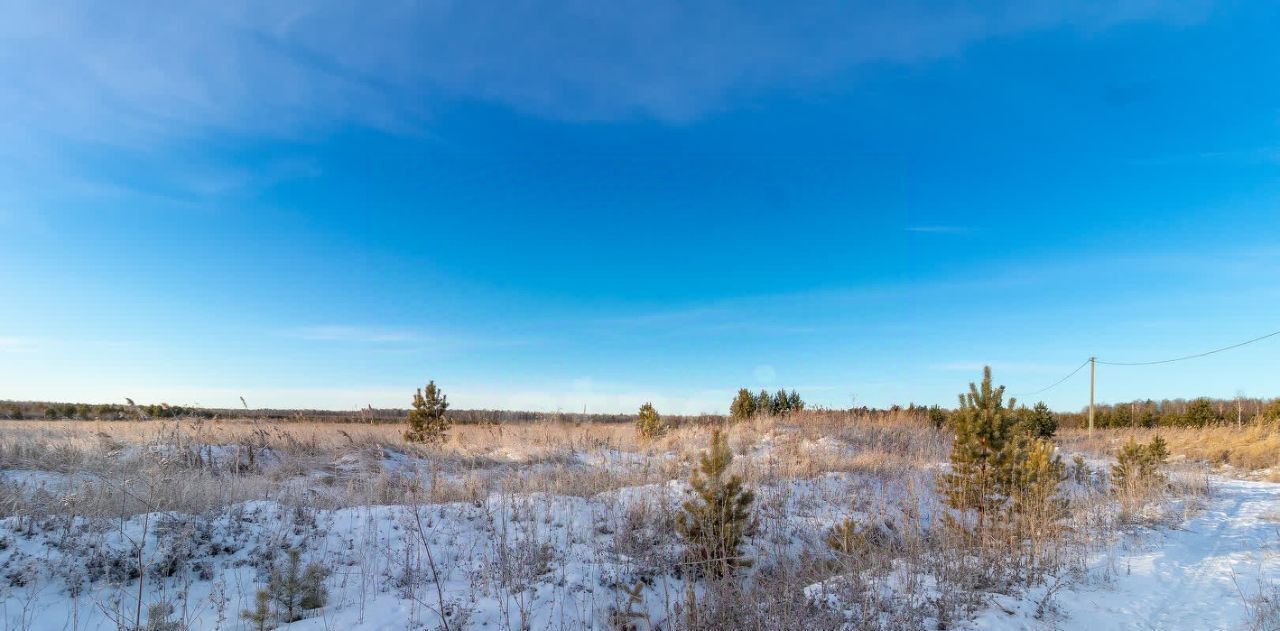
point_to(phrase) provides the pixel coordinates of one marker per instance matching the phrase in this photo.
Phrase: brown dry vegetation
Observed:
(197, 465)
(1253, 448)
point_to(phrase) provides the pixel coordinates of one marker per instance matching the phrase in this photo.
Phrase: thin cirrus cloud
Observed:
(292, 66)
(155, 80)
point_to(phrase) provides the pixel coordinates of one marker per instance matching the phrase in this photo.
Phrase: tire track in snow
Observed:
(1186, 579)
(1195, 579)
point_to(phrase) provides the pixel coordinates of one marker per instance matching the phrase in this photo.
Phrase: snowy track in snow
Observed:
(1196, 576)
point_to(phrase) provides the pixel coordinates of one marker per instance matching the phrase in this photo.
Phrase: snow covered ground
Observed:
(1205, 574)
(507, 561)
(500, 552)
(538, 559)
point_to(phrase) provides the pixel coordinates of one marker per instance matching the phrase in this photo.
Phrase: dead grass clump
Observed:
(1262, 607)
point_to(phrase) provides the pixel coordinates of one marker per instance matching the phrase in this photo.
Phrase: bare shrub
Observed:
(1262, 606)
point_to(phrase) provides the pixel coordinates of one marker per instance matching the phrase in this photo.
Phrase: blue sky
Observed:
(557, 205)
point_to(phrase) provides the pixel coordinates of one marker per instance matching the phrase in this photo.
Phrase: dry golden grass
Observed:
(196, 465)
(1253, 447)
(298, 438)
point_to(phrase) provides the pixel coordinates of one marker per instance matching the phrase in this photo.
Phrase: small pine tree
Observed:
(1148, 418)
(159, 618)
(845, 540)
(937, 417)
(260, 615)
(648, 423)
(980, 452)
(1038, 422)
(1137, 463)
(1158, 449)
(764, 403)
(628, 618)
(296, 589)
(715, 521)
(1201, 413)
(743, 406)
(1034, 477)
(794, 402)
(781, 404)
(314, 594)
(427, 420)
(1272, 411)
(1034, 509)
(1129, 463)
(1080, 471)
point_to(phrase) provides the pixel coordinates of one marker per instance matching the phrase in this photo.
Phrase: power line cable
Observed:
(1178, 359)
(1054, 384)
(1151, 363)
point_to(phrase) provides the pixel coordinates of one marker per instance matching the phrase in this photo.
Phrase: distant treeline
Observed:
(1201, 412)
(1148, 413)
(118, 412)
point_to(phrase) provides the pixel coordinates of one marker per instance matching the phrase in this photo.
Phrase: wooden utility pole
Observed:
(1092, 363)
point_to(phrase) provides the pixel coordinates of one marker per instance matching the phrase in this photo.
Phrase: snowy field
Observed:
(559, 526)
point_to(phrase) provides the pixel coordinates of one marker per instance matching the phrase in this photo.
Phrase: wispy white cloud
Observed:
(128, 73)
(155, 83)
